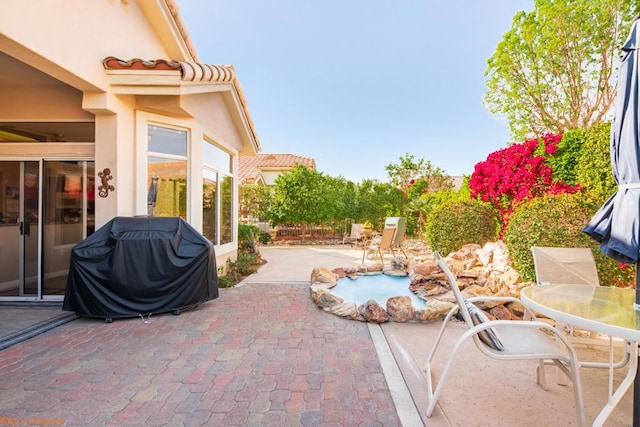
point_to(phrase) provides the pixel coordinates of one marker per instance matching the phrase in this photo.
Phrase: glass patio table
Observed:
(602, 309)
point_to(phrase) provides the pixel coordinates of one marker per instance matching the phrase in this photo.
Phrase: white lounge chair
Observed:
(504, 340)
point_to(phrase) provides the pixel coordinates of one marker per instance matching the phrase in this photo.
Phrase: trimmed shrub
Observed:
(227, 281)
(454, 224)
(264, 238)
(246, 263)
(557, 220)
(563, 155)
(593, 166)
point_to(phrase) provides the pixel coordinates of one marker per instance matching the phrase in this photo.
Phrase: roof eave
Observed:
(170, 82)
(165, 17)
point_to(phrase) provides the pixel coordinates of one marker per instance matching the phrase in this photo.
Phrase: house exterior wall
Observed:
(68, 40)
(269, 176)
(32, 103)
(215, 118)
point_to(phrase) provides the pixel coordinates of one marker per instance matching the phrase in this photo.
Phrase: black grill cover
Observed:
(133, 266)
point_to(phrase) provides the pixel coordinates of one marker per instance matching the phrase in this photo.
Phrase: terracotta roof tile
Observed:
(189, 71)
(182, 28)
(250, 167)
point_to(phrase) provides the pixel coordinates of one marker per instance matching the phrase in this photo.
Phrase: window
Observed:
(167, 171)
(217, 194)
(210, 205)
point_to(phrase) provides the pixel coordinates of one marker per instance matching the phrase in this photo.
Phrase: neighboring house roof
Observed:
(250, 168)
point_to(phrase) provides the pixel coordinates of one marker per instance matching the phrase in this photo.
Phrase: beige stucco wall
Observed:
(270, 176)
(68, 40)
(115, 150)
(78, 35)
(211, 111)
(33, 103)
(71, 40)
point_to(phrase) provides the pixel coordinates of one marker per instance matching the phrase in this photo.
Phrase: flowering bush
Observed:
(517, 173)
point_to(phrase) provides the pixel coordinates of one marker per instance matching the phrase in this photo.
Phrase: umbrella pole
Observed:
(636, 383)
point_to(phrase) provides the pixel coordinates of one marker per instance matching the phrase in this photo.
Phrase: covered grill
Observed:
(139, 266)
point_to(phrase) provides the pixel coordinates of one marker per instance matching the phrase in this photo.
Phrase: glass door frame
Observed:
(25, 226)
(39, 295)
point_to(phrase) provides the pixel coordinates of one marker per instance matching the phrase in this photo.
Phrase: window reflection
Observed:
(69, 216)
(217, 195)
(209, 205)
(167, 187)
(226, 210)
(167, 140)
(167, 172)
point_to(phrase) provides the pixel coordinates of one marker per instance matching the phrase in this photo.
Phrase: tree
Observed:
(254, 201)
(408, 171)
(348, 192)
(554, 70)
(422, 206)
(375, 201)
(305, 196)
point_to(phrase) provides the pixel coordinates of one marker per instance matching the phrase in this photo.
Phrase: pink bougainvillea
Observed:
(517, 173)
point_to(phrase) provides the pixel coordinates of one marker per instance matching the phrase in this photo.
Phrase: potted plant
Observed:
(367, 229)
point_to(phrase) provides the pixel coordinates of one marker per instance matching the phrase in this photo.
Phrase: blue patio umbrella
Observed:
(616, 226)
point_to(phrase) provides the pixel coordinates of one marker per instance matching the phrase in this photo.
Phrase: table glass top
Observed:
(609, 305)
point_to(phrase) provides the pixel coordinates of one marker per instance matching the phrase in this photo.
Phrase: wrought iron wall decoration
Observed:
(105, 177)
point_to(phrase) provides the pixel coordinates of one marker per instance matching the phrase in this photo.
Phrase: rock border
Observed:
(480, 271)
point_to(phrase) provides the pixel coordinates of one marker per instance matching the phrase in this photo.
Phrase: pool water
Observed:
(379, 287)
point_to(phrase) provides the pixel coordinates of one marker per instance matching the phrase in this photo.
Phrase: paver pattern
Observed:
(259, 355)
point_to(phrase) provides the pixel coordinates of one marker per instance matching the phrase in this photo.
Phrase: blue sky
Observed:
(356, 84)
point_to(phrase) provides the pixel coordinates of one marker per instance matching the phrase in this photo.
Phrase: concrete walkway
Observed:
(263, 354)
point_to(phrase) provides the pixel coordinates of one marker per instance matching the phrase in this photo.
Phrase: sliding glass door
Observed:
(68, 212)
(46, 207)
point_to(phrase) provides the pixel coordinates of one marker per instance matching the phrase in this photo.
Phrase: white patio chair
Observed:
(575, 266)
(355, 237)
(504, 340)
(555, 265)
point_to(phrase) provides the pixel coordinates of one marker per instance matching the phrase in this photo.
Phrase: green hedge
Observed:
(454, 224)
(556, 220)
(593, 166)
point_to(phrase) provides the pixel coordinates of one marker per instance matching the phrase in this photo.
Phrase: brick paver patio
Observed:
(260, 354)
